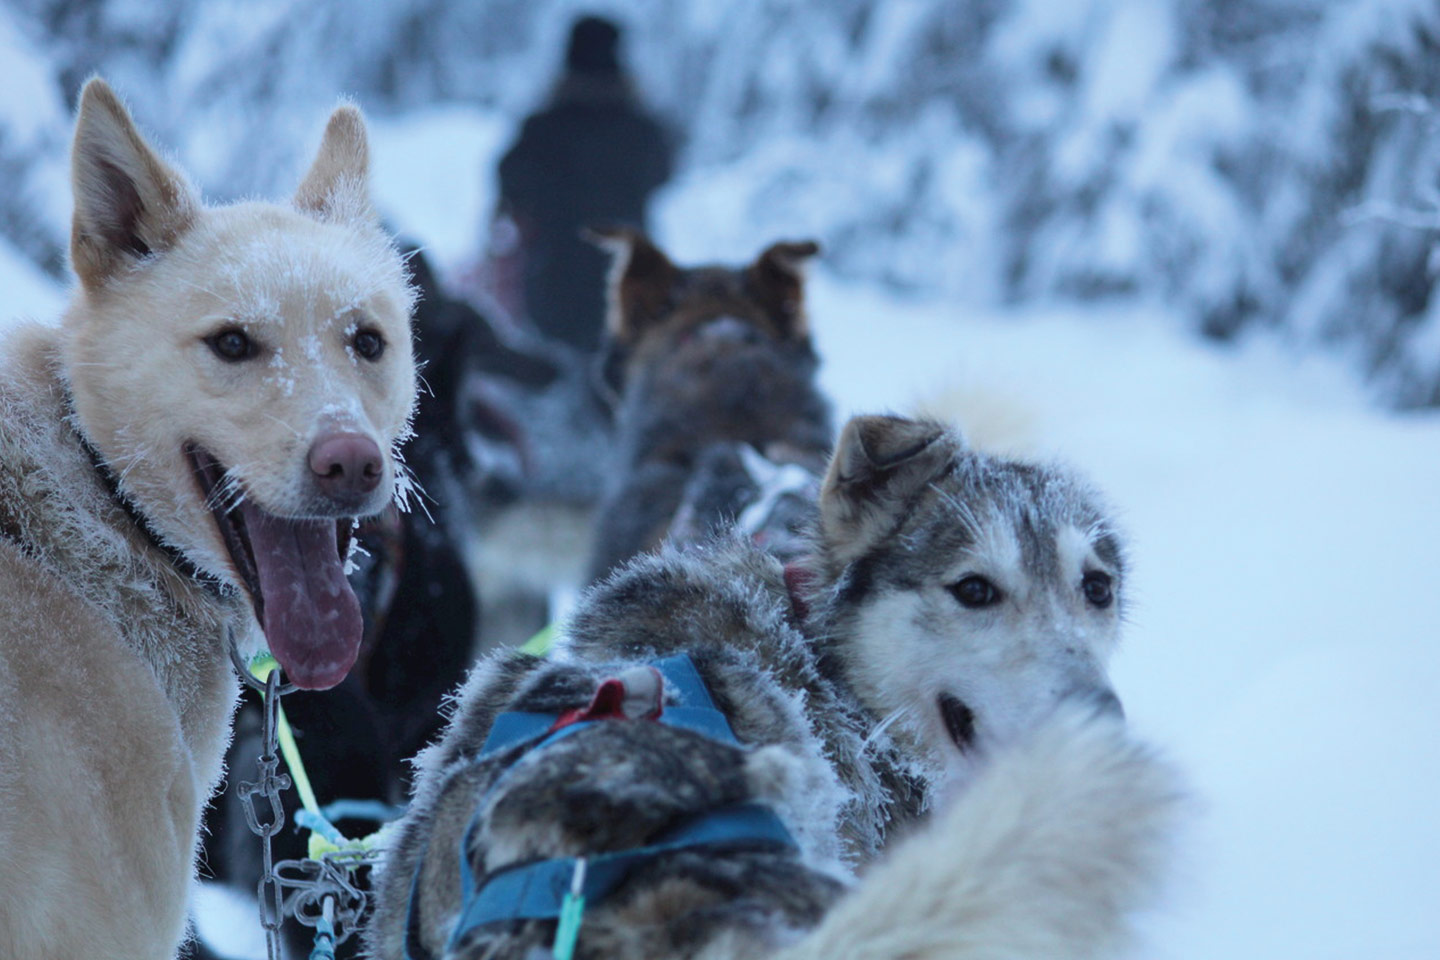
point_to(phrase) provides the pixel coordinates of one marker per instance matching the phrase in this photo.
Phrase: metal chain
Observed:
(323, 892)
(327, 882)
(267, 789)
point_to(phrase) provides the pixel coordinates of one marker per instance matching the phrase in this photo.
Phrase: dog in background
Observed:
(948, 628)
(705, 361)
(181, 467)
(734, 485)
(544, 442)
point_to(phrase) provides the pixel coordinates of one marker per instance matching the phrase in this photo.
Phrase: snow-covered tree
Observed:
(1257, 163)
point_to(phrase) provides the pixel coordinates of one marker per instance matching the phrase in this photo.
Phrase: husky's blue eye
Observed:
(1098, 588)
(369, 344)
(232, 345)
(975, 592)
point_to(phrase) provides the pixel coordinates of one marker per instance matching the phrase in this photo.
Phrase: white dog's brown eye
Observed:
(975, 592)
(232, 345)
(369, 344)
(1098, 587)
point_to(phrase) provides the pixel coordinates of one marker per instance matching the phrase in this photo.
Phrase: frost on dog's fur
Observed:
(1042, 858)
(525, 809)
(728, 599)
(162, 276)
(117, 686)
(908, 514)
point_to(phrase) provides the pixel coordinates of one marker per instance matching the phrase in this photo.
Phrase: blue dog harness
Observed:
(695, 712)
(537, 890)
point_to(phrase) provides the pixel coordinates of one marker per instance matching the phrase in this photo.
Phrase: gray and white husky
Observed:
(950, 624)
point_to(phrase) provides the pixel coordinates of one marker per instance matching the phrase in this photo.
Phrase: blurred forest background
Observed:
(1249, 163)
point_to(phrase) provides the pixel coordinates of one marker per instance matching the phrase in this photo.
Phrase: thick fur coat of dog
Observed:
(704, 360)
(181, 464)
(942, 646)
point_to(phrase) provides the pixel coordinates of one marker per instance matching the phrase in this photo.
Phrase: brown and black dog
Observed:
(710, 364)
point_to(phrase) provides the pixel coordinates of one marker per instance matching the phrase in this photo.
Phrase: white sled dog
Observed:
(706, 756)
(181, 462)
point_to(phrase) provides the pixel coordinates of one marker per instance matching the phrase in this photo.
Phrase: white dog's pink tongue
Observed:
(312, 617)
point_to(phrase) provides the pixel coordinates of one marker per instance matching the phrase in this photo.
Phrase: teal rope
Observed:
(324, 941)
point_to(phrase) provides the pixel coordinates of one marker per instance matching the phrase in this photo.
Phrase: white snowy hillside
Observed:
(1030, 209)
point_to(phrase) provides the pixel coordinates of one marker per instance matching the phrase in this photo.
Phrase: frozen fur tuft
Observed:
(1043, 857)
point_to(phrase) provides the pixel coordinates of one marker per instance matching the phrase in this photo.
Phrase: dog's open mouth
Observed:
(295, 573)
(959, 722)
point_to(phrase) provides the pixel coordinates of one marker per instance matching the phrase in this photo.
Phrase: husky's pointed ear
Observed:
(641, 284)
(777, 278)
(880, 463)
(337, 188)
(129, 203)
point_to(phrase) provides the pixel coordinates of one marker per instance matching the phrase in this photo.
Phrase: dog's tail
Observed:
(1042, 856)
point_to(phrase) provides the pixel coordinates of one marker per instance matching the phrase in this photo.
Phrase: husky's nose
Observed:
(347, 466)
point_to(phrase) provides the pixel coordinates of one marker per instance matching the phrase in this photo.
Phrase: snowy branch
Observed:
(1404, 102)
(1387, 212)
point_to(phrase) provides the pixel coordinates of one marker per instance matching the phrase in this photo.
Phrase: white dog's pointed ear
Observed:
(880, 464)
(337, 188)
(129, 203)
(641, 282)
(777, 278)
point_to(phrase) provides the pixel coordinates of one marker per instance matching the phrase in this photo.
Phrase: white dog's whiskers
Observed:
(408, 491)
(203, 288)
(228, 494)
(234, 496)
(961, 508)
(130, 461)
(270, 416)
(884, 725)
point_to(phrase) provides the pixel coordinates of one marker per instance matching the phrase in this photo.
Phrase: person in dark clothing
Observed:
(591, 157)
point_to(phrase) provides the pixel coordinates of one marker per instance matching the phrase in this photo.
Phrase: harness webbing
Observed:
(696, 711)
(537, 890)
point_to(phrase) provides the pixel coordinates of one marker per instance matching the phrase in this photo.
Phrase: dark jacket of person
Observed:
(592, 157)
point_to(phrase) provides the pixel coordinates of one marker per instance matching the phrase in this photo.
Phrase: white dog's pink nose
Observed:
(347, 466)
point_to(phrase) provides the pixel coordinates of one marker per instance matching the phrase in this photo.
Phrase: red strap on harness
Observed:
(639, 694)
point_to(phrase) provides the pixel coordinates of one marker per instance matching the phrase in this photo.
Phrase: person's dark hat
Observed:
(594, 46)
